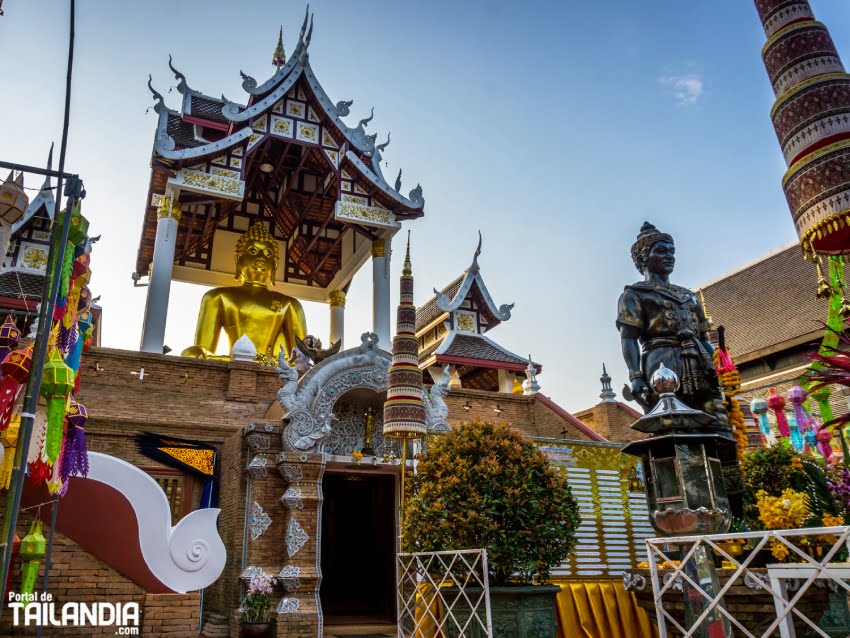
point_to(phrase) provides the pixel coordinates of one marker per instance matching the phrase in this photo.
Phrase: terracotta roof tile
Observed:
(767, 303)
(427, 312)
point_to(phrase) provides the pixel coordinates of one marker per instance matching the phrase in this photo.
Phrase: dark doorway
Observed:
(358, 548)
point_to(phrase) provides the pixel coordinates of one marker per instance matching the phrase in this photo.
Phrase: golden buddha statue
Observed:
(368, 430)
(269, 319)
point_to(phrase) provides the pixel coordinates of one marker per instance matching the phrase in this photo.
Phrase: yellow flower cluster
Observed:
(664, 565)
(832, 521)
(787, 511)
(779, 549)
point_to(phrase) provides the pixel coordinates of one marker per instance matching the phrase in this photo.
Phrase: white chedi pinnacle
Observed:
(243, 350)
(530, 385)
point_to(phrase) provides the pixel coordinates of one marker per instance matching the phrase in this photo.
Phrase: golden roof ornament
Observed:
(279, 55)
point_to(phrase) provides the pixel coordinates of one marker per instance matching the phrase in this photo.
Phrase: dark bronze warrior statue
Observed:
(660, 322)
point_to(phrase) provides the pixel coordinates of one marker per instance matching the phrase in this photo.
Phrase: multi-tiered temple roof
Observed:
(22, 276)
(451, 329)
(287, 157)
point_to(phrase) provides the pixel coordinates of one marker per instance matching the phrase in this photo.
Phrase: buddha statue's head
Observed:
(257, 255)
(654, 251)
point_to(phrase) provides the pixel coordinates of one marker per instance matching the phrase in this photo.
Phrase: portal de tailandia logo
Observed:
(40, 610)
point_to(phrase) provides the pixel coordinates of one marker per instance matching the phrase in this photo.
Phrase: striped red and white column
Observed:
(811, 117)
(404, 409)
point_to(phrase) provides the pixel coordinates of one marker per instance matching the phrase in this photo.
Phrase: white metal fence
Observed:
(444, 595)
(787, 583)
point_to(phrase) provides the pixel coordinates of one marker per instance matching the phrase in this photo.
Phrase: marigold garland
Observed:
(730, 380)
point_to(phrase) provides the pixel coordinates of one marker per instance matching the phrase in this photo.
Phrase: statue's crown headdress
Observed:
(648, 236)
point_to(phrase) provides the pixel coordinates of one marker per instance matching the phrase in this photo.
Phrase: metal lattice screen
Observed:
(444, 595)
(615, 521)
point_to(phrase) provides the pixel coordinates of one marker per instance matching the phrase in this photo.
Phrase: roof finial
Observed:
(383, 146)
(309, 32)
(407, 270)
(304, 24)
(279, 55)
(362, 123)
(160, 102)
(398, 181)
(474, 267)
(607, 395)
(181, 85)
(46, 185)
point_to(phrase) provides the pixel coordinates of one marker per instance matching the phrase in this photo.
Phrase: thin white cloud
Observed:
(687, 89)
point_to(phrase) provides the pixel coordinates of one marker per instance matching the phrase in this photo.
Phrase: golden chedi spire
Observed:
(279, 56)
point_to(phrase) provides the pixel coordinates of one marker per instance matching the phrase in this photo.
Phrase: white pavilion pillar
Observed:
(156, 307)
(381, 292)
(336, 300)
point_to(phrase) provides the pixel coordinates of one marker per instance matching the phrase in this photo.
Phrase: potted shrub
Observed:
(484, 486)
(257, 607)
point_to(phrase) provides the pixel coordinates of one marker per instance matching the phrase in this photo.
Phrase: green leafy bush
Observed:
(484, 486)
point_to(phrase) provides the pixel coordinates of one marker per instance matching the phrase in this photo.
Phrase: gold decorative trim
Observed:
(336, 298)
(167, 209)
(215, 183)
(378, 248)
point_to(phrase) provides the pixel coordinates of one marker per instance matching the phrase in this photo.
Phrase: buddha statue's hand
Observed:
(197, 352)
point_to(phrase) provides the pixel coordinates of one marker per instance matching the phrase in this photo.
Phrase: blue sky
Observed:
(554, 127)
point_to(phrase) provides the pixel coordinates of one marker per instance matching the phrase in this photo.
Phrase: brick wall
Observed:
(524, 413)
(210, 401)
(613, 420)
(76, 576)
(171, 615)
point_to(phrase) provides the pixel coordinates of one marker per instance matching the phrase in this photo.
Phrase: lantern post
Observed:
(59, 237)
(685, 491)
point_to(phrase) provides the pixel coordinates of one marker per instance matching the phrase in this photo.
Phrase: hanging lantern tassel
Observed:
(776, 402)
(845, 305)
(57, 382)
(824, 291)
(9, 441)
(33, 547)
(75, 456)
(38, 469)
(54, 484)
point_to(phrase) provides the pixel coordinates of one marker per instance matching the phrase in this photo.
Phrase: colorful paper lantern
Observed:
(9, 337)
(9, 441)
(75, 457)
(15, 369)
(797, 395)
(776, 402)
(13, 199)
(759, 408)
(33, 547)
(57, 382)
